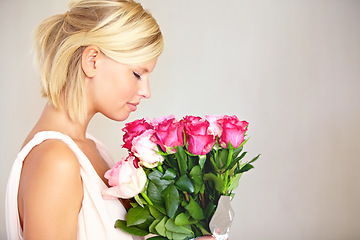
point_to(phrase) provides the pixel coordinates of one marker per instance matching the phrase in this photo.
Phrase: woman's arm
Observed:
(50, 192)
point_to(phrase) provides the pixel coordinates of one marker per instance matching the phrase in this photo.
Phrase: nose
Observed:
(144, 90)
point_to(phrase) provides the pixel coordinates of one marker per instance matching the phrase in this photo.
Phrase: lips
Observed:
(133, 106)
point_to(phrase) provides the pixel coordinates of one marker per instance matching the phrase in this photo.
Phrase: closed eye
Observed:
(137, 75)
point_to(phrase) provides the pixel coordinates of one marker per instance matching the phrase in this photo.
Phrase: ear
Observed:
(89, 58)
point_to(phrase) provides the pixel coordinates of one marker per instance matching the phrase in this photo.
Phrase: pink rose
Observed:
(134, 129)
(157, 121)
(169, 133)
(214, 128)
(190, 119)
(196, 124)
(233, 131)
(126, 179)
(146, 150)
(199, 141)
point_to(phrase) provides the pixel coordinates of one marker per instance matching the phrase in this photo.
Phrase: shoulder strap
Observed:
(45, 135)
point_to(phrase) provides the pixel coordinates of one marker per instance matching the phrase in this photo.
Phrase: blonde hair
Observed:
(122, 29)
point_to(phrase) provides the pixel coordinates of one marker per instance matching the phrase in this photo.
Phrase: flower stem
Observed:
(147, 199)
(186, 196)
(231, 151)
(202, 198)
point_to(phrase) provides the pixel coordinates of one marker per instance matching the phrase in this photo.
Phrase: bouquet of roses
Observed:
(181, 174)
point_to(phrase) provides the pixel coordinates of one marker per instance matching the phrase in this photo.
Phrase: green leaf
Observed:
(160, 227)
(172, 227)
(134, 204)
(181, 236)
(136, 216)
(245, 168)
(195, 210)
(204, 231)
(155, 212)
(222, 158)
(185, 184)
(234, 183)
(145, 226)
(237, 151)
(235, 161)
(132, 230)
(155, 177)
(243, 143)
(193, 161)
(196, 175)
(209, 210)
(170, 174)
(152, 227)
(255, 158)
(169, 150)
(202, 189)
(197, 231)
(219, 183)
(181, 159)
(157, 238)
(170, 160)
(172, 200)
(202, 160)
(213, 163)
(161, 209)
(197, 178)
(154, 194)
(241, 156)
(182, 219)
(139, 200)
(169, 234)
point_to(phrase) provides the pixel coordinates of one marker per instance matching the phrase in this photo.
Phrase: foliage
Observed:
(182, 191)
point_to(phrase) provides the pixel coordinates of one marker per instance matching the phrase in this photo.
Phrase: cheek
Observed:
(117, 88)
(127, 89)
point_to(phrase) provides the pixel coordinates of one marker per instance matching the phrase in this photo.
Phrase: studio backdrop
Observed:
(289, 68)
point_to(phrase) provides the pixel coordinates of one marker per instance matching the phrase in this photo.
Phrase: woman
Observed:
(96, 58)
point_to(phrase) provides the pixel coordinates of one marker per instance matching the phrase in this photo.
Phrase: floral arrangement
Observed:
(176, 172)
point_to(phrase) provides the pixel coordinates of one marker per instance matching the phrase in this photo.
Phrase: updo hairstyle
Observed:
(122, 29)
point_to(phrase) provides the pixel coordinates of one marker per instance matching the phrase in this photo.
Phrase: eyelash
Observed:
(137, 75)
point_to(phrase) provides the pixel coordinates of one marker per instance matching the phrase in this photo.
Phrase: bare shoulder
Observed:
(52, 158)
(50, 189)
(51, 163)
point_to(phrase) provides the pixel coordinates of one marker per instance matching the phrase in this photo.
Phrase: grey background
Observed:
(290, 68)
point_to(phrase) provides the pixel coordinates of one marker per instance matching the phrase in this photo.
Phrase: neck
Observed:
(53, 119)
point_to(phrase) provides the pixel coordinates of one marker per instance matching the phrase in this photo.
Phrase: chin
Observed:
(118, 118)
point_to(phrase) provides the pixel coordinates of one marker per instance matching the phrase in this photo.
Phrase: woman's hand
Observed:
(206, 238)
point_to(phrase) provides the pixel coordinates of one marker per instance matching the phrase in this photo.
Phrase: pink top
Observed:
(97, 215)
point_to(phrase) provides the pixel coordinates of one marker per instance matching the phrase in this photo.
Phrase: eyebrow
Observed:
(143, 70)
